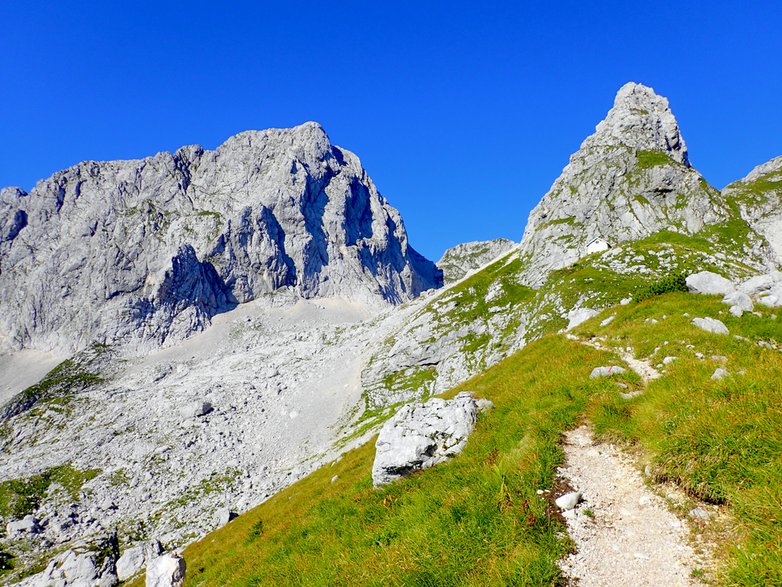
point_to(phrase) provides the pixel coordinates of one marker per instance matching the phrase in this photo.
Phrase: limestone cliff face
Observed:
(628, 180)
(759, 197)
(147, 251)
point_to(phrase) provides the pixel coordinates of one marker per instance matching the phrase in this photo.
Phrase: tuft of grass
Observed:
(649, 159)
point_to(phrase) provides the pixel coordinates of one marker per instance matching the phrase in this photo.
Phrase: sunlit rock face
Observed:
(629, 179)
(147, 251)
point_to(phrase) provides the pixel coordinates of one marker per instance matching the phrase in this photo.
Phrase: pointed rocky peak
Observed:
(771, 170)
(642, 120)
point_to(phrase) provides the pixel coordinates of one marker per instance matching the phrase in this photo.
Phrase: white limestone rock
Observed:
(148, 251)
(579, 316)
(131, 562)
(27, 525)
(167, 570)
(195, 409)
(224, 515)
(739, 300)
(610, 371)
(568, 501)
(421, 435)
(711, 325)
(710, 283)
(719, 373)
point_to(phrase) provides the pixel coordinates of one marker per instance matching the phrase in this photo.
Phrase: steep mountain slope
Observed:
(464, 258)
(148, 251)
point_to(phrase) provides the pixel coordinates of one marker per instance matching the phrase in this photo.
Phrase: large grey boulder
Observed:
(710, 283)
(149, 250)
(711, 325)
(421, 435)
(81, 566)
(27, 525)
(167, 570)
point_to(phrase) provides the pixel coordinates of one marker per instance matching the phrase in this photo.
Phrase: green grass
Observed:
(476, 520)
(20, 497)
(720, 441)
(649, 159)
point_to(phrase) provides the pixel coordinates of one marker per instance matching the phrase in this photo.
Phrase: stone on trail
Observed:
(598, 372)
(421, 435)
(710, 325)
(569, 500)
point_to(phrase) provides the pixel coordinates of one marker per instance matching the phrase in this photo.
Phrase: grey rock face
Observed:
(147, 251)
(759, 197)
(630, 179)
(27, 525)
(131, 562)
(464, 258)
(80, 567)
(420, 436)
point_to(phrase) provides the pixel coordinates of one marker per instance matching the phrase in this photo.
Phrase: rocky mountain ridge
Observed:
(283, 382)
(145, 252)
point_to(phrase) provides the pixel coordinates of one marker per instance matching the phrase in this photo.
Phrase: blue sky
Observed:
(463, 113)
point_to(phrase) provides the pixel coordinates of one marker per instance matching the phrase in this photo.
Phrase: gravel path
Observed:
(624, 534)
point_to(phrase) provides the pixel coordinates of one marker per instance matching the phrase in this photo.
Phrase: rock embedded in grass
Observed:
(710, 283)
(166, 571)
(719, 373)
(421, 435)
(598, 372)
(711, 325)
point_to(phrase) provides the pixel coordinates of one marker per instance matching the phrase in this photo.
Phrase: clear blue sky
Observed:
(463, 113)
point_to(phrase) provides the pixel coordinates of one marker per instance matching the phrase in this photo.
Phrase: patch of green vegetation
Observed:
(649, 159)
(668, 284)
(475, 520)
(209, 214)
(569, 221)
(413, 379)
(119, 478)
(20, 497)
(641, 200)
(66, 379)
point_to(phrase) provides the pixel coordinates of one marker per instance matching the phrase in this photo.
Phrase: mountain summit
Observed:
(630, 179)
(149, 250)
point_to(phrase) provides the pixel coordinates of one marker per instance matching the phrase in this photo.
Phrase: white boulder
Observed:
(568, 501)
(27, 525)
(740, 300)
(195, 409)
(710, 325)
(709, 283)
(131, 562)
(576, 317)
(166, 571)
(421, 435)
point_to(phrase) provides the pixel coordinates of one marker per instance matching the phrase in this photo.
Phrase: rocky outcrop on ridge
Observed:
(148, 251)
(759, 197)
(630, 179)
(465, 258)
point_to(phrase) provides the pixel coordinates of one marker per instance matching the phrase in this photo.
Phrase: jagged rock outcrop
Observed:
(759, 197)
(149, 250)
(630, 179)
(464, 258)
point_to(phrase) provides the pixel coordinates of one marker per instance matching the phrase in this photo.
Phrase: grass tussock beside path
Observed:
(476, 520)
(719, 440)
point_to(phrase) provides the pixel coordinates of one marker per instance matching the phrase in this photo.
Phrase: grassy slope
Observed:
(478, 520)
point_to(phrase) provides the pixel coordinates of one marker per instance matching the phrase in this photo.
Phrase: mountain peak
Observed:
(642, 120)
